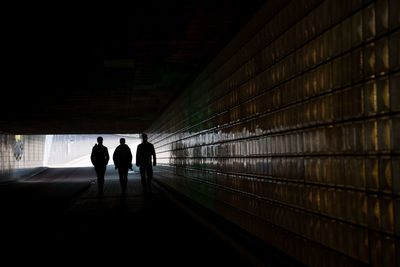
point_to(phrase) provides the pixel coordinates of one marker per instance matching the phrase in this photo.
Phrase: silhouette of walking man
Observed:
(100, 158)
(145, 151)
(123, 161)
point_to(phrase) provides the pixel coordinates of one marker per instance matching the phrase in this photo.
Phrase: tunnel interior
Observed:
(280, 117)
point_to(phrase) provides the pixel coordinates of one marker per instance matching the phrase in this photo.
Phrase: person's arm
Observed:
(115, 158)
(153, 152)
(137, 156)
(130, 158)
(107, 156)
(92, 156)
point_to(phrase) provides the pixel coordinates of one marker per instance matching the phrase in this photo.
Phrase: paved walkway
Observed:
(56, 217)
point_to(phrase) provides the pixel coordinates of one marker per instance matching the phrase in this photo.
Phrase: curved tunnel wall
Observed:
(292, 131)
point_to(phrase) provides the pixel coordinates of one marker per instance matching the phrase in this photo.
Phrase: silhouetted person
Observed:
(145, 151)
(123, 161)
(100, 158)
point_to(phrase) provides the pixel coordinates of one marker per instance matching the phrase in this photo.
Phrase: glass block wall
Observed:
(292, 131)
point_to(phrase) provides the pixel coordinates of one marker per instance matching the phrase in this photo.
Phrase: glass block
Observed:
(396, 207)
(382, 56)
(363, 244)
(369, 24)
(369, 61)
(386, 175)
(346, 34)
(387, 215)
(374, 213)
(384, 135)
(337, 104)
(396, 175)
(371, 136)
(352, 210)
(355, 172)
(375, 249)
(372, 173)
(382, 250)
(383, 95)
(394, 87)
(394, 50)
(389, 251)
(356, 69)
(394, 11)
(337, 39)
(356, 29)
(328, 70)
(382, 16)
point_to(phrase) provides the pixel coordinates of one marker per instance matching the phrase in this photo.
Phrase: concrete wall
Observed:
(20, 155)
(292, 131)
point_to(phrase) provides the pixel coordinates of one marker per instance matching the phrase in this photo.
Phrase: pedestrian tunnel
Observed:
(276, 124)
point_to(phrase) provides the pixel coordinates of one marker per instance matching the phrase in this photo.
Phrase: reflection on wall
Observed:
(292, 132)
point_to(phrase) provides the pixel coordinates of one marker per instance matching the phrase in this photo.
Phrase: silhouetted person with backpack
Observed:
(145, 151)
(123, 161)
(100, 158)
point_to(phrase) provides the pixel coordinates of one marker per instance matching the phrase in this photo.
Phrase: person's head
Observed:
(100, 140)
(144, 137)
(122, 141)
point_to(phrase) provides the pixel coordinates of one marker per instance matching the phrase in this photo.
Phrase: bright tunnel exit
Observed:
(70, 151)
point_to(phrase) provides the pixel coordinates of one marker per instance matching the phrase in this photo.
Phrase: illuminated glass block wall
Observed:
(292, 132)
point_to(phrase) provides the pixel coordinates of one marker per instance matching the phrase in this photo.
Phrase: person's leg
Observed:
(103, 171)
(121, 176)
(100, 178)
(149, 171)
(125, 180)
(143, 177)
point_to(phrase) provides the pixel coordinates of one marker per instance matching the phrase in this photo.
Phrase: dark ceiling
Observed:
(108, 68)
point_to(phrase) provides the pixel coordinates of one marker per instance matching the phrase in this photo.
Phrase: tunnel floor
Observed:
(57, 217)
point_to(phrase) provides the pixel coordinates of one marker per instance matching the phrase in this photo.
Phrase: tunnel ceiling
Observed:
(107, 68)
